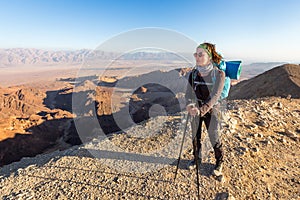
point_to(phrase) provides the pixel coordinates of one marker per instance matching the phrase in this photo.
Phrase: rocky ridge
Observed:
(281, 81)
(261, 140)
(26, 121)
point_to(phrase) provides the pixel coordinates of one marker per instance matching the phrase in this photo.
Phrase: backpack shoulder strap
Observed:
(214, 75)
(194, 74)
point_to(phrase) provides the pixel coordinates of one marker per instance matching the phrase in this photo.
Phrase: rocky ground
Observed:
(262, 160)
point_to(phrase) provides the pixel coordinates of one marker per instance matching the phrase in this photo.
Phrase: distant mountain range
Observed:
(21, 56)
(30, 56)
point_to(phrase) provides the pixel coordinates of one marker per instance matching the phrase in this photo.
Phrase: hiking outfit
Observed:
(205, 90)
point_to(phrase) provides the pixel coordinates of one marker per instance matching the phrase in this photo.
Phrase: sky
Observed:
(251, 30)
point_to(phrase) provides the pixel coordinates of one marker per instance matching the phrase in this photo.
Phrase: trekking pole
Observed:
(198, 149)
(184, 132)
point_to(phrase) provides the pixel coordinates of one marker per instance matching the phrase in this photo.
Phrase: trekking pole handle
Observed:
(190, 106)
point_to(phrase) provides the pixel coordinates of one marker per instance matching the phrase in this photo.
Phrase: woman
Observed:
(206, 83)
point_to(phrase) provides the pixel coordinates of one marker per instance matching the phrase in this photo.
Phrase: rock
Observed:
(239, 136)
(224, 196)
(218, 175)
(143, 89)
(233, 121)
(258, 135)
(262, 123)
(255, 149)
(35, 117)
(271, 140)
(257, 108)
(242, 150)
(116, 179)
(264, 167)
(290, 133)
(135, 97)
(62, 114)
(279, 105)
(282, 140)
(107, 79)
(220, 178)
(48, 116)
(251, 126)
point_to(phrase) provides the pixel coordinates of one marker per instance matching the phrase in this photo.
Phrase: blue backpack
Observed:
(232, 70)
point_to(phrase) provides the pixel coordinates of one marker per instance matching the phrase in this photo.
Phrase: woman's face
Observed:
(202, 58)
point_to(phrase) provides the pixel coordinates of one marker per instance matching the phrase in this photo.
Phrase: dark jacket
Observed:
(203, 90)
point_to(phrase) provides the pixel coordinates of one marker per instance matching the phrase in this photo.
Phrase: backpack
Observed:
(232, 70)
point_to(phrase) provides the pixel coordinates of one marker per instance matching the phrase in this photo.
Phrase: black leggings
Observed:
(212, 124)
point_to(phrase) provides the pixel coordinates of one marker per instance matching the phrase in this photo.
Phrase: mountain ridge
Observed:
(281, 81)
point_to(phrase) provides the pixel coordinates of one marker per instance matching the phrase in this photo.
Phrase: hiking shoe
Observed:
(218, 168)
